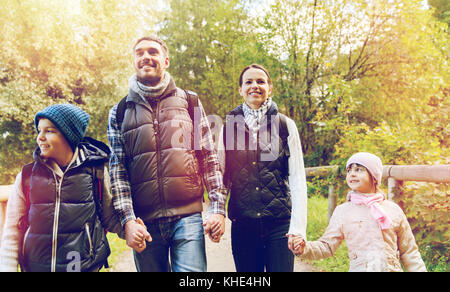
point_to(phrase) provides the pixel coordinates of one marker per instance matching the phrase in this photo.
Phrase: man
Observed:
(156, 175)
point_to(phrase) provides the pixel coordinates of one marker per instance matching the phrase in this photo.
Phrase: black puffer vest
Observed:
(65, 231)
(258, 173)
(162, 166)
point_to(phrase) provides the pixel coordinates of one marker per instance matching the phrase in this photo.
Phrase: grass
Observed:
(317, 224)
(118, 247)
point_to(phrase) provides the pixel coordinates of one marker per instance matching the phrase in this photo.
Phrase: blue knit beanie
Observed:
(69, 119)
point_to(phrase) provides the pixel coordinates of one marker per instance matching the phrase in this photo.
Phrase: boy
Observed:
(61, 205)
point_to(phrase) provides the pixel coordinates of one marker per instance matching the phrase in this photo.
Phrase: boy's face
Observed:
(359, 179)
(52, 143)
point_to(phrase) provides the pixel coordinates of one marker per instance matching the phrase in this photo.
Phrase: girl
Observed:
(266, 176)
(57, 199)
(376, 230)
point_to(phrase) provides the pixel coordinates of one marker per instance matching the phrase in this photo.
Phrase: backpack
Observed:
(24, 224)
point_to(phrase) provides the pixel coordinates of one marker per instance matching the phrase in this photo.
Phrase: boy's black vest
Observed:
(162, 166)
(259, 189)
(64, 226)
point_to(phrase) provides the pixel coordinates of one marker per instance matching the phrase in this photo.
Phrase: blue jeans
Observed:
(259, 244)
(182, 239)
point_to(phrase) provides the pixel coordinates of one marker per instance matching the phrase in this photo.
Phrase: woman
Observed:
(265, 173)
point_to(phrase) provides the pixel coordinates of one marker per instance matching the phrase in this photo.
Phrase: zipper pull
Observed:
(91, 248)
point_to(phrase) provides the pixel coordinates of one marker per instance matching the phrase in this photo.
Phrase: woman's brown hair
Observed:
(257, 66)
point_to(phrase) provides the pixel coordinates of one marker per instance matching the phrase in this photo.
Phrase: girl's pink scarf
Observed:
(372, 201)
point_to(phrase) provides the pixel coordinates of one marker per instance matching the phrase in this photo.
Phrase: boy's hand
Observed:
(136, 234)
(296, 243)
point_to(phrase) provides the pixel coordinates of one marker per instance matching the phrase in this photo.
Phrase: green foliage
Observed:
(427, 207)
(62, 52)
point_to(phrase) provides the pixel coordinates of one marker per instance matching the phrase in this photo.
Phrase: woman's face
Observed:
(255, 88)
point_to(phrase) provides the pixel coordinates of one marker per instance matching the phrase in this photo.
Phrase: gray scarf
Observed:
(149, 91)
(253, 117)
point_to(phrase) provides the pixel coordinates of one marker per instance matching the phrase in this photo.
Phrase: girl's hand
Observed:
(296, 243)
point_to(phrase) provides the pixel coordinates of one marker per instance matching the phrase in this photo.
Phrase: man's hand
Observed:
(136, 234)
(215, 227)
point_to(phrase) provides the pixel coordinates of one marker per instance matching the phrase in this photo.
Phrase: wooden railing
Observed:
(395, 174)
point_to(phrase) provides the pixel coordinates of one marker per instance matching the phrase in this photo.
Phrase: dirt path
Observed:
(219, 257)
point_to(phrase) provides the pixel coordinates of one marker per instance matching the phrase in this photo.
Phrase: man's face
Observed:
(150, 62)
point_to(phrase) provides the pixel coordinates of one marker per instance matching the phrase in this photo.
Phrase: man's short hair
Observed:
(153, 38)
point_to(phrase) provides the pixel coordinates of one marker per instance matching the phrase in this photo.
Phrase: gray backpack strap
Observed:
(192, 99)
(120, 112)
(284, 133)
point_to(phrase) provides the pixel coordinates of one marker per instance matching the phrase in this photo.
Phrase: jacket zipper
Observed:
(158, 157)
(25, 239)
(55, 222)
(91, 247)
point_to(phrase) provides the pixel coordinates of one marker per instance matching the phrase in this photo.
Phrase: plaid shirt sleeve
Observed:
(209, 164)
(120, 184)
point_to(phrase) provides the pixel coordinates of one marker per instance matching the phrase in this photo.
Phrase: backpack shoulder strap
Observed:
(284, 132)
(97, 178)
(120, 113)
(26, 177)
(192, 99)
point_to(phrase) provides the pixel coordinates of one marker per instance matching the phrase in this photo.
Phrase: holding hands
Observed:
(214, 226)
(136, 234)
(296, 244)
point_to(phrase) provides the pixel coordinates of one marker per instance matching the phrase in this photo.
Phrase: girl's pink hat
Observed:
(370, 161)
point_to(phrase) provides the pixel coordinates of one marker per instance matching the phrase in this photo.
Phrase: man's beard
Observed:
(149, 80)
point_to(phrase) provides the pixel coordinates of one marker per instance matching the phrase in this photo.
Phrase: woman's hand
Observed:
(296, 243)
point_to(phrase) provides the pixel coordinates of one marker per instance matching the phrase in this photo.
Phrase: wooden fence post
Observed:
(332, 201)
(392, 184)
(2, 219)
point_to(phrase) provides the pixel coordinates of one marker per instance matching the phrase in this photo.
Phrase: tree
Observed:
(347, 63)
(204, 38)
(442, 10)
(62, 52)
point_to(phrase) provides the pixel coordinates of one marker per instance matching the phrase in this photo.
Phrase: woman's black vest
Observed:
(259, 173)
(65, 231)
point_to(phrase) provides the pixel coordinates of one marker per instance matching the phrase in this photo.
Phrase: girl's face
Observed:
(255, 88)
(52, 143)
(359, 179)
